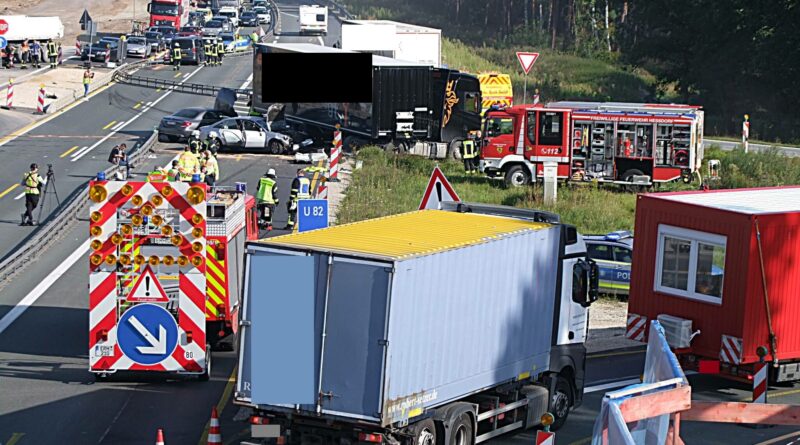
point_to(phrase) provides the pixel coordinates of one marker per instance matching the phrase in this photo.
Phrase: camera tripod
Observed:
(50, 181)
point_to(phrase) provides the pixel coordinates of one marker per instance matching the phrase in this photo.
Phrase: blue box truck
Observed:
(437, 326)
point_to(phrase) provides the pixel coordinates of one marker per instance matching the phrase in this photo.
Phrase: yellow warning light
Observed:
(96, 231)
(166, 190)
(147, 210)
(153, 260)
(98, 193)
(96, 259)
(547, 419)
(197, 260)
(197, 232)
(125, 260)
(97, 244)
(195, 195)
(116, 239)
(157, 200)
(111, 260)
(139, 260)
(168, 260)
(183, 260)
(137, 200)
(197, 246)
(126, 189)
(126, 229)
(96, 216)
(137, 220)
(166, 230)
(176, 239)
(157, 220)
(197, 219)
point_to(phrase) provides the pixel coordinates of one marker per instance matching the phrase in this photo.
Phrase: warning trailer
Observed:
(147, 277)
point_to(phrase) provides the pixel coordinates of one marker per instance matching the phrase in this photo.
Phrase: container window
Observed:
(690, 264)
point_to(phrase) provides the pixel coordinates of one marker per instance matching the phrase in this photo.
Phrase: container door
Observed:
(354, 346)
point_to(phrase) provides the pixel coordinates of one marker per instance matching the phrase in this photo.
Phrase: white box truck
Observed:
(313, 19)
(402, 41)
(16, 28)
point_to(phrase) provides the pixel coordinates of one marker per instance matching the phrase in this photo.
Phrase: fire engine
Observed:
(621, 143)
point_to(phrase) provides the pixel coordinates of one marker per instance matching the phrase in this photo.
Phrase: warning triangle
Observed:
(527, 60)
(438, 191)
(147, 289)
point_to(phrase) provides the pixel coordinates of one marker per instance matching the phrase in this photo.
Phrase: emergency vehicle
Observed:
(621, 143)
(496, 89)
(169, 12)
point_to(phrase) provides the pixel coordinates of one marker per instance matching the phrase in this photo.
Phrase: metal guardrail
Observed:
(57, 224)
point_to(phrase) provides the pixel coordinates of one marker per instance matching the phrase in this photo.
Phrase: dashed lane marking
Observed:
(65, 154)
(109, 125)
(8, 190)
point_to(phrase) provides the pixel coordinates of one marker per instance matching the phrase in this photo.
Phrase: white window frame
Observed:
(694, 237)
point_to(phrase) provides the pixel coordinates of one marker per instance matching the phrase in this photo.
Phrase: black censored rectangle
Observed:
(316, 77)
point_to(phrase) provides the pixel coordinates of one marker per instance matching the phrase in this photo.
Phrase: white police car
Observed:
(613, 253)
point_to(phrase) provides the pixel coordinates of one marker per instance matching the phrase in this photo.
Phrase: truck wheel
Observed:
(454, 150)
(351, 144)
(206, 372)
(462, 431)
(629, 174)
(424, 432)
(560, 402)
(517, 176)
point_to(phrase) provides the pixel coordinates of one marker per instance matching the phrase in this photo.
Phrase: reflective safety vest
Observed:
(469, 149)
(207, 48)
(212, 167)
(254, 37)
(32, 181)
(176, 53)
(187, 166)
(220, 48)
(172, 174)
(264, 193)
(212, 49)
(304, 190)
(51, 49)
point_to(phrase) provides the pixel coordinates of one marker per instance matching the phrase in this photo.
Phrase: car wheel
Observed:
(275, 147)
(216, 144)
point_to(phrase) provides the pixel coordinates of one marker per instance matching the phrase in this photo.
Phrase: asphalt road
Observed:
(730, 145)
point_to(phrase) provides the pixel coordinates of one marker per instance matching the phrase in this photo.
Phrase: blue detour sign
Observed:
(312, 214)
(147, 334)
(3, 42)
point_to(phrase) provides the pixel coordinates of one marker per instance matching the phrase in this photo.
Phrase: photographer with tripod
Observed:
(33, 183)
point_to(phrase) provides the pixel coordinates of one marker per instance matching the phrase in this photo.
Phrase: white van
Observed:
(313, 19)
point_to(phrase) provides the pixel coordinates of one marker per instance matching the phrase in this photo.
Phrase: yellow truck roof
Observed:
(407, 235)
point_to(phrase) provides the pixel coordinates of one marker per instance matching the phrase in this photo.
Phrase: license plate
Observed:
(103, 351)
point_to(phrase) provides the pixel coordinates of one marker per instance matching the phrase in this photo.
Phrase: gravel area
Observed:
(607, 320)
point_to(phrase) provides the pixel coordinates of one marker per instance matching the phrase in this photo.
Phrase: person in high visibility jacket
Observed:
(212, 52)
(32, 182)
(176, 57)
(52, 54)
(301, 189)
(267, 198)
(220, 51)
(207, 52)
(254, 38)
(187, 165)
(173, 173)
(212, 167)
(469, 154)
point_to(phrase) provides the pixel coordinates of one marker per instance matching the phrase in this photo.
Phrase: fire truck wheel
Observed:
(206, 372)
(629, 174)
(517, 176)
(454, 151)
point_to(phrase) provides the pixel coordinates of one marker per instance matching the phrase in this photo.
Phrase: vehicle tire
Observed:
(560, 402)
(517, 176)
(423, 433)
(629, 174)
(206, 372)
(275, 147)
(163, 138)
(454, 150)
(351, 144)
(215, 145)
(462, 431)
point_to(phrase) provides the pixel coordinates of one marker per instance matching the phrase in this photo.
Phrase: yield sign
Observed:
(438, 191)
(527, 60)
(147, 288)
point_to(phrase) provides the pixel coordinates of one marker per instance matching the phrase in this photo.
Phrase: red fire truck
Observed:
(169, 12)
(230, 221)
(622, 143)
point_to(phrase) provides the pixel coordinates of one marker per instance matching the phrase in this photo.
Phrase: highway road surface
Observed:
(731, 145)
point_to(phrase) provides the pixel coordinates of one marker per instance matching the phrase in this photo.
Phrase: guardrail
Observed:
(101, 81)
(56, 224)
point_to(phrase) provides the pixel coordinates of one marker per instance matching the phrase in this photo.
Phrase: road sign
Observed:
(545, 438)
(147, 334)
(312, 214)
(438, 191)
(3, 27)
(527, 60)
(85, 18)
(147, 288)
(3, 42)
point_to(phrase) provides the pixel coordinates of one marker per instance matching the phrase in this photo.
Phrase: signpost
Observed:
(527, 60)
(438, 191)
(312, 214)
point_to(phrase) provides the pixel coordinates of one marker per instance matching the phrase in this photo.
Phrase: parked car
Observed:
(246, 133)
(166, 31)
(108, 47)
(231, 13)
(264, 16)
(257, 3)
(613, 253)
(138, 47)
(207, 14)
(180, 125)
(191, 31)
(197, 18)
(249, 18)
(156, 40)
(216, 26)
(234, 42)
(191, 49)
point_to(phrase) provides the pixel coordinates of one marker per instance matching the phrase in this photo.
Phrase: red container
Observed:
(679, 269)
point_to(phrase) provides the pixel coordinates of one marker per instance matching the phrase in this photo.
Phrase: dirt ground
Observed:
(110, 15)
(607, 321)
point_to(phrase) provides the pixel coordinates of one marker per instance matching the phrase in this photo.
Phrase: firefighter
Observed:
(212, 168)
(207, 51)
(301, 189)
(468, 153)
(267, 199)
(220, 51)
(52, 54)
(212, 58)
(173, 173)
(25, 54)
(33, 183)
(187, 165)
(176, 57)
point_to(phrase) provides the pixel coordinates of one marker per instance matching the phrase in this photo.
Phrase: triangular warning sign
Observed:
(527, 60)
(438, 191)
(147, 289)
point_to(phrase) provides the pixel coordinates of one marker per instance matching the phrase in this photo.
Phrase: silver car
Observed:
(245, 133)
(138, 47)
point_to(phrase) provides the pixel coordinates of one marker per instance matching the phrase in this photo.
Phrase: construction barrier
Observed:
(760, 383)
(10, 94)
(40, 101)
(160, 437)
(336, 153)
(214, 434)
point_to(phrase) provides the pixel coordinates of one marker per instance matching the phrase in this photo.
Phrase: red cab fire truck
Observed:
(608, 142)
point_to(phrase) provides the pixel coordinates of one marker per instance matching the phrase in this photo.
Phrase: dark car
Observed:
(156, 40)
(180, 125)
(197, 18)
(167, 32)
(111, 48)
(248, 18)
(191, 31)
(191, 49)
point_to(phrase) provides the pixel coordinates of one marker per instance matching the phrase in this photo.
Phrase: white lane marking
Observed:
(118, 126)
(611, 385)
(246, 82)
(321, 42)
(19, 196)
(42, 287)
(80, 152)
(291, 15)
(140, 114)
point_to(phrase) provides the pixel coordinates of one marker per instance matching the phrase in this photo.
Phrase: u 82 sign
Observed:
(312, 214)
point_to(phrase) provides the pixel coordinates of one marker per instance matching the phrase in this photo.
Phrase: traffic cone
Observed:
(214, 436)
(160, 437)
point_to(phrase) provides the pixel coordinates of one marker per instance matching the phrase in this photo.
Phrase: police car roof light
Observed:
(618, 235)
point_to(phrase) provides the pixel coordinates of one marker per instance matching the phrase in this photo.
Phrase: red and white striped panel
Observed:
(731, 350)
(336, 153)
(760, 383)
(636, 327)
(104, 294)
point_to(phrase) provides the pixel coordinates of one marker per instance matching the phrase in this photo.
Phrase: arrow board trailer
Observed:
(394, 327)
(147, 277)
(230, 221)
(415, 106)
(19, 28)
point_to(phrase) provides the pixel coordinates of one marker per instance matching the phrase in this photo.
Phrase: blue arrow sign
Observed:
(312, 214)
(3, 42)
(147, 334)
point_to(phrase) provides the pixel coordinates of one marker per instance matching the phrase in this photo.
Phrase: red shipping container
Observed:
(696, 257)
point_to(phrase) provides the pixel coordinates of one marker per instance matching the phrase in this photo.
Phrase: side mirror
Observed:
(585, 282)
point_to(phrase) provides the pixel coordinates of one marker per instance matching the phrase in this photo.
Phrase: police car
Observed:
(613, 253)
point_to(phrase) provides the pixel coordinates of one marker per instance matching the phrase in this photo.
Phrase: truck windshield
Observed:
(497, 126)
(161, 9)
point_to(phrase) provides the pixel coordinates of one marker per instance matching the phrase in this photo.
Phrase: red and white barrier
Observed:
(40, 101)
(336, 154)
(10, 94)
(160, 437)
(636, 327)
(214, 434)
(731, 350)
(760, 383)
(322, 191)
(108, 57)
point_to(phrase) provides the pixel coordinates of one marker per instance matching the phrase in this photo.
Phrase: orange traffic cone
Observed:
(160, 437)
(214, 435)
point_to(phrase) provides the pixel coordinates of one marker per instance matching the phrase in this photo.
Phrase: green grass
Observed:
(755, 169)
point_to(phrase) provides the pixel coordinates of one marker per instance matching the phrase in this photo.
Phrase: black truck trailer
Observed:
(415, 107)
